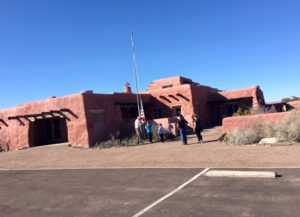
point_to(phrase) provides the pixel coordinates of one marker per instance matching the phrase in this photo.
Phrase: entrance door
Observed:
(48, 131)
(177, 110)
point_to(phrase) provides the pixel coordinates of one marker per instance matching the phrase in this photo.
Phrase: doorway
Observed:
(177, 110)
(48, 131)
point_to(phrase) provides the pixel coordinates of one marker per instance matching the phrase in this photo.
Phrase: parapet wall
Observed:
(232, 122)
(295, 104)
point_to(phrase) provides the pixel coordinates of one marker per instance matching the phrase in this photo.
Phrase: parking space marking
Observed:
(171, 193)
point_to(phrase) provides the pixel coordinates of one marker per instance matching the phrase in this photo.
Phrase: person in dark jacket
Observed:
(182, 125)
(198, 128)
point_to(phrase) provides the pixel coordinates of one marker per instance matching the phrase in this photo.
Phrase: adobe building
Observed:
(86, 118)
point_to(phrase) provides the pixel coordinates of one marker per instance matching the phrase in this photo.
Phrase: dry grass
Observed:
(287, 129)
(248, 134)
(3, 142)
(116, 141)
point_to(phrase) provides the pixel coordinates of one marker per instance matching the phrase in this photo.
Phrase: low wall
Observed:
(232, 122)
(168, 121)
(295, 104)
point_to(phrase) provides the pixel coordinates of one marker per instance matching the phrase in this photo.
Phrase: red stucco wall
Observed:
(232, 122)
(295, 104)
(18, 135)
(90, 127)
(186, 103)
(109, 104)
(201, 95)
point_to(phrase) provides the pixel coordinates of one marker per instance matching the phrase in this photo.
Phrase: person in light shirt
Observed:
(138, 125)
(161, 131)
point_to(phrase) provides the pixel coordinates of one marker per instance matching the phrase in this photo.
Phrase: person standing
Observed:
(198, 128)
(137, 125)
(148, 128)
(170, 128)
(182, 125)
(161, 131)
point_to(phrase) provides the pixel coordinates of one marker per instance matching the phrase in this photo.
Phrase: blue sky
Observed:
(60, 47)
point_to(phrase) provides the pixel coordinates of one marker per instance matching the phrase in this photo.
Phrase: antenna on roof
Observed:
(138, 97)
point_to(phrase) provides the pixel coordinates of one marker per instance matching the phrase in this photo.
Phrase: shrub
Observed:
(262, 110)
(241, 112)
(4, 142)
(116, 141)
(248, 134)
(155, 131)
(289, 127)
(270, 129)
(292, 98)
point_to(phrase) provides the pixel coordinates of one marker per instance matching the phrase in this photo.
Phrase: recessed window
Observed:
(167, 86)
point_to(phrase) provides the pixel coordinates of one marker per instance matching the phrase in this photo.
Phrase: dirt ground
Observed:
(171, 154)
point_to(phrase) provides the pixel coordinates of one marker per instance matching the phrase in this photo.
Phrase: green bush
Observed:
(292, 98)
(241, 112)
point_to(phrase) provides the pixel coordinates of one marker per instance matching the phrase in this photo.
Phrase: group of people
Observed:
(148, 127)
(182, 126)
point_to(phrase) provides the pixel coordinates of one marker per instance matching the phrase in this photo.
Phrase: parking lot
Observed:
(126, 192)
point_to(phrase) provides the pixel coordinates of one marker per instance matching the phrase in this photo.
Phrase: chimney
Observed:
(127, 88)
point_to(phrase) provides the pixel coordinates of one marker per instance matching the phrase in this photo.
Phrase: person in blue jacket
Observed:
(148, 128)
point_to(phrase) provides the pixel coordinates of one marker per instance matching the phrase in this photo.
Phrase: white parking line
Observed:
(171, 193)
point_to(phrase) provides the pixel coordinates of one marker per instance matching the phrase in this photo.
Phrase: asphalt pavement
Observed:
(125, 192)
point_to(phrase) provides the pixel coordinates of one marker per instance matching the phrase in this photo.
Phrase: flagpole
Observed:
(136, 75)
(141, 113)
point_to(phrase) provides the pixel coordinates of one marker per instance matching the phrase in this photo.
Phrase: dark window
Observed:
(129, 112)
(167, 86)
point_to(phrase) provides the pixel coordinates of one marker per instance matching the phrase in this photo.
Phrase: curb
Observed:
(241, 174)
